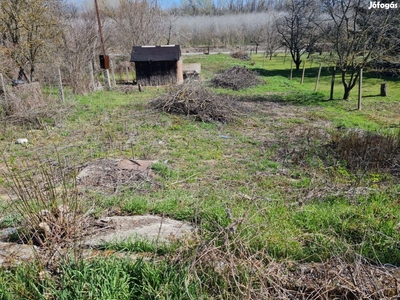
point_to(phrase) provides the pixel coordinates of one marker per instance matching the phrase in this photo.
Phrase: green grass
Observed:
(99, 279)
(289, 198)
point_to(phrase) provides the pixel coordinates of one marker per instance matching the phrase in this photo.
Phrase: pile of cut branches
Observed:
(26, 105)
(236, 78)
(240, 55)
(23, 98)
(193, 99)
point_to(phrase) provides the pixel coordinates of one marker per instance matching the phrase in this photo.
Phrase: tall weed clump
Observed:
(368, 151)
(45, 196)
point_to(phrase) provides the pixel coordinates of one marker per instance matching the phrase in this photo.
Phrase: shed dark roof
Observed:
(156, 53)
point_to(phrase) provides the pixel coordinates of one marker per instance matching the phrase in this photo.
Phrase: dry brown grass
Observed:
(22, 99)
(227, 268)
(25, 105)
(368, 151)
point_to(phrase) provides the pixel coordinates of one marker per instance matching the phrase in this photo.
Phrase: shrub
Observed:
(368, 151)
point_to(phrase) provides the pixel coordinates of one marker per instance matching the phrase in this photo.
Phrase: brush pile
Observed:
(236, 78)
(193, 99)
(22, 99)
(240, 55)
(25, 104)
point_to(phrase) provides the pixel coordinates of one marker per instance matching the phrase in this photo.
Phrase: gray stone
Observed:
(152, 228)
(13, 253)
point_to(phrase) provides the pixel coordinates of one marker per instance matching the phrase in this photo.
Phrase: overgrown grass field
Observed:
(292, 182)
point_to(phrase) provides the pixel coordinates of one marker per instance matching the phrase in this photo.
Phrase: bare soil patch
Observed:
(114, 175)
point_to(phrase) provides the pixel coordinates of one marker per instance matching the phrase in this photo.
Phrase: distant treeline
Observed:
(219, 7)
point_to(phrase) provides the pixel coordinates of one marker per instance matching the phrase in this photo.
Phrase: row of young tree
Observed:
(34, 32)
(219, 7)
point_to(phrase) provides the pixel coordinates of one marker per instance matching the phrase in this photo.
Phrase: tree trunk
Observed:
(297, 63)
(346, 93)
(348, 86)
(32, 71)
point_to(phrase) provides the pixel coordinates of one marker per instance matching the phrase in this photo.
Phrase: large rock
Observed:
(152, 228)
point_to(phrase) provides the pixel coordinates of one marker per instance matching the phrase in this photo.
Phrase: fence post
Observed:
(304, 70)
(383, 89)
(265, 53)
(112, 73)
(319, 75)
(127, 74)
(284, 59)
(2, 86)
(92, 84)
(360, 89)
(332, 82)
(107, 79)
(60, 85)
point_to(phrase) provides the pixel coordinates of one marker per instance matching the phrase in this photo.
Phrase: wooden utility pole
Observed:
(100, 28)
(106, 74)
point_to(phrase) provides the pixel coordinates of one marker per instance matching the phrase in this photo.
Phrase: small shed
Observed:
(157, 65)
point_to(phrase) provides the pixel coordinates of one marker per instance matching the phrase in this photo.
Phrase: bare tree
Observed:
(297, 28)
(195, 7)
(358, 35)
(28, 28)
(135, 22)
(272, 38)
(227, 30)
(168, 26)
(80, 41)
(256, 35)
